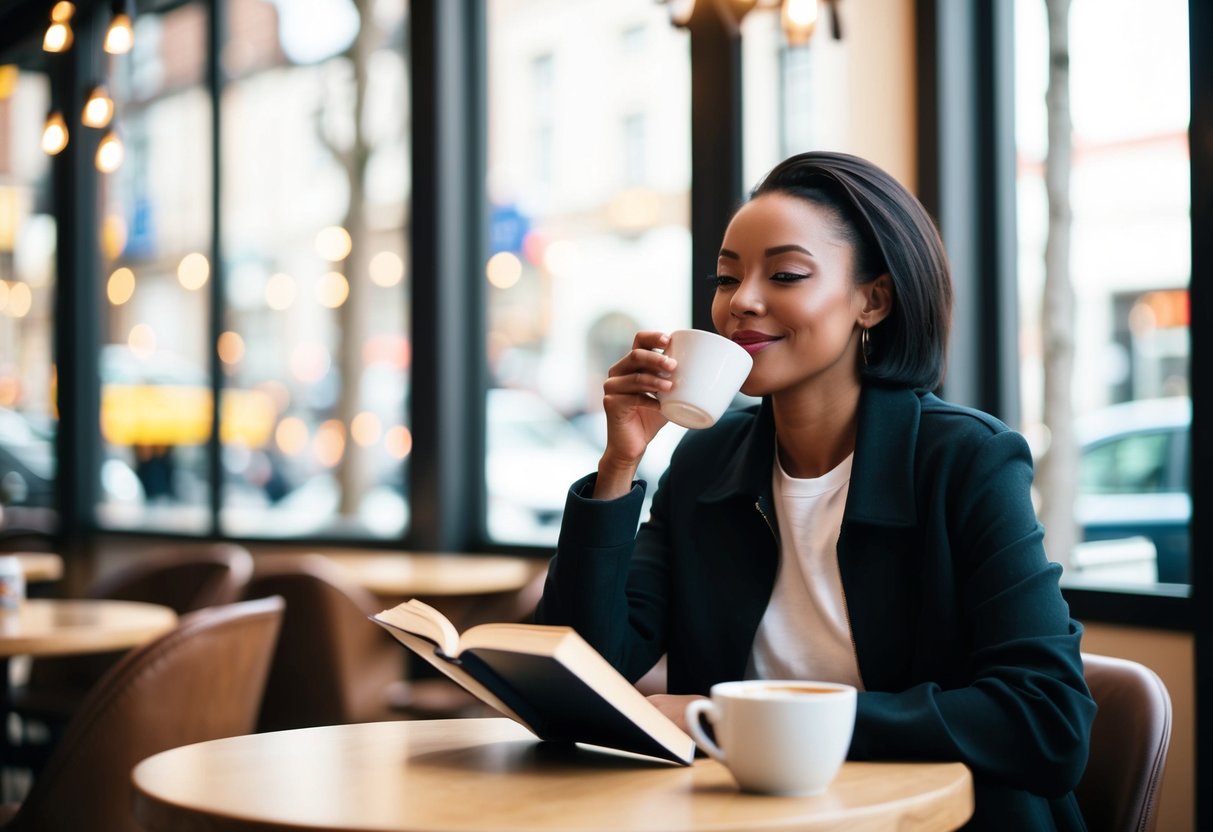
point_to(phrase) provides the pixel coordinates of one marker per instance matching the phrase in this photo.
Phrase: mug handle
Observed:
(696, 709)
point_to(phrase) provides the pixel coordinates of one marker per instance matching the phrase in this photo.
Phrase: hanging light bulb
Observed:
(98, 109)
(109, 153)
(54, 134)
(799, 18)
(59, 37)
(120, 36)
(681, 11)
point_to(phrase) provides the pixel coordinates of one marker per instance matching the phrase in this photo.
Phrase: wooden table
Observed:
(491, 775)
(52, 627)
(408, 574)
(39, 567)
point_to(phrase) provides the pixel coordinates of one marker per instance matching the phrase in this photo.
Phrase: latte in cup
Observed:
(784, 737)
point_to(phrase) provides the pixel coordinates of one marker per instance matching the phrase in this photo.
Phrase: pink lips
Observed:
(753, 342)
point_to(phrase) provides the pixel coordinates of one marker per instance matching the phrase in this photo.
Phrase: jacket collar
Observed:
(882, 472)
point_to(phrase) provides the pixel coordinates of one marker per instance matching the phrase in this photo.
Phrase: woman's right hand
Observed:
(633, 416)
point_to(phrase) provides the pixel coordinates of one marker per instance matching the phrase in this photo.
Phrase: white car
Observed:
(1134, 478)
(534, 455)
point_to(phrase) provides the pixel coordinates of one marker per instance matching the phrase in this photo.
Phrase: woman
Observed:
(851, 528)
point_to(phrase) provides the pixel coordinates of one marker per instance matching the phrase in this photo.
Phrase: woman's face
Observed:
(786, 292)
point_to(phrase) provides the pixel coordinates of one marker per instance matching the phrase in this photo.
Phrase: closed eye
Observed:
(788, 277)
(721, 280)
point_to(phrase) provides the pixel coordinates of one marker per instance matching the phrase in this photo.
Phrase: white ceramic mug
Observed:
(777, 736)
(710, 371)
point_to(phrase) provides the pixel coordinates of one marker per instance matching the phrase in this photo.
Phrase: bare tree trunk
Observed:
(1058, 474)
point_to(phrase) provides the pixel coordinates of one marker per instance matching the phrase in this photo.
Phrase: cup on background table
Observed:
(710, 371)
(777, 737)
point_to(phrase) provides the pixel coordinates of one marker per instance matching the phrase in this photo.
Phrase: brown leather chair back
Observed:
(203, 680)
(1129, 743)
(185, 577)
(332, 665)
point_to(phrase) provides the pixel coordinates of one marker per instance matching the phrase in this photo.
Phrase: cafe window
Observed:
(311, 347)
(1127, 391)
(586, 254)
(155, 236)
(315, 345)
(27, 283)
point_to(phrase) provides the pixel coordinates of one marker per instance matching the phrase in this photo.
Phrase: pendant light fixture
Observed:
(59, 36)
(798, 17)
(110, 153)
(120, 36)
(98, 109)
(54, 134)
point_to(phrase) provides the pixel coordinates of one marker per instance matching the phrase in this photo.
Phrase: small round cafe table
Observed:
(39, 567)
(415, 574)
(55, 627)
(492, 775)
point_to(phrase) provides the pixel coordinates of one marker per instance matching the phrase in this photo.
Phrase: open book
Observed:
(547, 678)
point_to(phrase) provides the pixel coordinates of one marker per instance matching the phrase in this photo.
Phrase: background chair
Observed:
(203, 680)
(332, 665)
(1129, 743)
(185, 577)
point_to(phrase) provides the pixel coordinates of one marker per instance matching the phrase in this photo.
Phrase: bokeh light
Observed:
(332, 290)
(310, 362)
(193, 271)
(121, 286)
(291, 435)
(399, 441)
(366, 429)
(280, 291)
(333, 243)
(387, 269)
(20, 300)
(503, 269)
(329, 444)
(230, 347)
(142, 340)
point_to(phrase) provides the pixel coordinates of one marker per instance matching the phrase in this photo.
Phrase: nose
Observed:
(746, 301)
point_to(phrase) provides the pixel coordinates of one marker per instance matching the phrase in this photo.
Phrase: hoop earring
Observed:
(865, 345)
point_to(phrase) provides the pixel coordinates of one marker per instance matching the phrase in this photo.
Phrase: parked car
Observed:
(27, 462)
(534, 455)
(1134, 475)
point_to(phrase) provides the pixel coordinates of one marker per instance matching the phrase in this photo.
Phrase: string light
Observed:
(110, 153)
(59, 37)
(98, 109)
(798, 17)
(54, 134)
(120, 36)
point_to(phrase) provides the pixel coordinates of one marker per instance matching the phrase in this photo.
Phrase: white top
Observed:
(805, 632)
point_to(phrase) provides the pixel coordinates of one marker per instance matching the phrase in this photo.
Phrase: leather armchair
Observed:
(1129, 743)
(202, 680)
(185, 577)
(332, 665)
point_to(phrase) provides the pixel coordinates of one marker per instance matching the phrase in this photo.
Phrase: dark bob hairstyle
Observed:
(892, 234)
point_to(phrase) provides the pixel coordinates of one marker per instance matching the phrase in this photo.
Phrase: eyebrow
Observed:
(770, 252)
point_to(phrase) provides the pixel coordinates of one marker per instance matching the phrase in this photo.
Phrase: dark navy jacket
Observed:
(965, 645)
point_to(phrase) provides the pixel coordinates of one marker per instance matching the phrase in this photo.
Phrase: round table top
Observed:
(49, 627)
(408, 574)
(491, 774)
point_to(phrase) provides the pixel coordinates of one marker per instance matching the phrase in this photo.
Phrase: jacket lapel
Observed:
(882, 473)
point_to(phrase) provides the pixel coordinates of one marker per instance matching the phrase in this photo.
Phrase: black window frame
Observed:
(966, 179)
